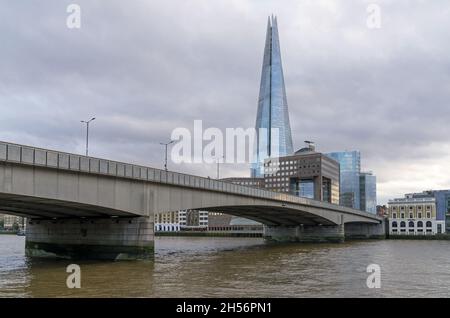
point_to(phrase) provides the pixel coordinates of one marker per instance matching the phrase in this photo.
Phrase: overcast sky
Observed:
(144, 68)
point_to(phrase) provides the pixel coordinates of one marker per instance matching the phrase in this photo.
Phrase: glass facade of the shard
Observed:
(273, 128)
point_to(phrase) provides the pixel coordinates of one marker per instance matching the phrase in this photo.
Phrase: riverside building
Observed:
(414, 215)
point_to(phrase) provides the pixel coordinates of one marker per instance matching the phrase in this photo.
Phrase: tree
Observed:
(15, 227)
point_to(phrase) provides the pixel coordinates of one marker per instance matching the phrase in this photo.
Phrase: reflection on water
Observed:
(237, 267)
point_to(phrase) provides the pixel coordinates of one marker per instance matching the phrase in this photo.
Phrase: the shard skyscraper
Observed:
(273, 129)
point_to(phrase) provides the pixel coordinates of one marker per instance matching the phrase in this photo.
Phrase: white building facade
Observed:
(414, 216)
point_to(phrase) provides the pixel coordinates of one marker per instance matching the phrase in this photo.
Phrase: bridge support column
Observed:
(91, 238)
(365, 231)
(306, 234)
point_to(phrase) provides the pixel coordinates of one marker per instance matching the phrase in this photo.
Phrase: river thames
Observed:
(238, 267)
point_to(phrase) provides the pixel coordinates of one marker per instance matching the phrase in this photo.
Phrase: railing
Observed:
(66, 161)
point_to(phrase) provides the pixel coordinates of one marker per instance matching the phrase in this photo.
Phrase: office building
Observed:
(368, 192)
(306, 174)
(350, 170)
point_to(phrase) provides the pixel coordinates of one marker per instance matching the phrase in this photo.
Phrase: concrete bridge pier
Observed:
(365, 230)
(305, 233)
(124, 238)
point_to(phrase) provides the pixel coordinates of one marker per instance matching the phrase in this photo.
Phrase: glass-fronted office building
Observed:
(368, 192)
(273, 130)
(350, 169)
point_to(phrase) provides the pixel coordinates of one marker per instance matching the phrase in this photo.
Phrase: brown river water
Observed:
(238, 267)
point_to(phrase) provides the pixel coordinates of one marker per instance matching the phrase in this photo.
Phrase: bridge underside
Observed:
(273, 216)
(33, 207)
(74, 230)
(40, 208)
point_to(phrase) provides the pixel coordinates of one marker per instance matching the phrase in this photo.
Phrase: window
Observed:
(411, 224)
(394, 224)
(420, 224)
(394, 215)
(428, 215)
(402, 224)
(429, 224)
(419, 215)
(411, 216)
(402, 216)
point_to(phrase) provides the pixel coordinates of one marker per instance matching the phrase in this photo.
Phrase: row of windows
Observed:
(411, 215)
(411, 224)
(235, 228)
(289, 162)
(419, 231)
(278, 190)
(271, 175)
(290, 168)
(277, 185)
(277, 179)
(411, 208)
(279, 163)
(246, 183)
(167, 228)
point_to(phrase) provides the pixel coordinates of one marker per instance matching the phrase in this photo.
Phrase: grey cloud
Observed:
(144, 68)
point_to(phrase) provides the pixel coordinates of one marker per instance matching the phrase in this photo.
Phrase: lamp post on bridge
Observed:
(87, 133)
(166, 144)
(218, 165)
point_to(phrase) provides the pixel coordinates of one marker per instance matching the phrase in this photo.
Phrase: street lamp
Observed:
(87, 133)
(165, 144)
(218, 164)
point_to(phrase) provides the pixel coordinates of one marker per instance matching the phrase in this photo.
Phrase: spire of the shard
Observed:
(272, 121)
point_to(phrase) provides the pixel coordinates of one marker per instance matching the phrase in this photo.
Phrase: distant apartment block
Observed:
(185, 220)
(167, 222)
(11, 222)
(193, 220)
